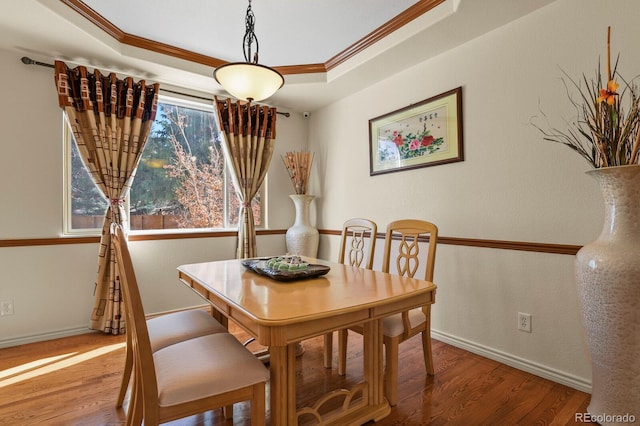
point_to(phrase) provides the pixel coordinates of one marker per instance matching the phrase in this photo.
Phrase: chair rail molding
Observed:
(569, 249)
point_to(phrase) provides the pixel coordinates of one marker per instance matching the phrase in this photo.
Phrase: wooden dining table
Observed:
(279, 314)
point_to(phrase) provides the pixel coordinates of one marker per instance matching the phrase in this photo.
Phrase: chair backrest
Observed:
(361, 233)
(407, 261)
(136, 319)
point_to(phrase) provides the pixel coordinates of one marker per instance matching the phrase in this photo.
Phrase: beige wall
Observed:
(511, 186)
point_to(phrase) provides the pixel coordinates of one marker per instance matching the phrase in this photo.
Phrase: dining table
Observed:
(281, 313)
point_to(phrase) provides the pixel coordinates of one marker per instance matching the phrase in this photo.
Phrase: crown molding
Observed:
(415, 11)
(418, 9)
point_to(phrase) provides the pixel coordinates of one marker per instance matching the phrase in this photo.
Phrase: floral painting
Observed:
(424, 134)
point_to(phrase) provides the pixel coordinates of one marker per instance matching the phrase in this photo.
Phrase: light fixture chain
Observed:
(250, 36)
(249, 80)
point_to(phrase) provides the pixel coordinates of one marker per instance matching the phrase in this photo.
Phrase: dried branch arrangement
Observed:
(607, 129)
(298, 165)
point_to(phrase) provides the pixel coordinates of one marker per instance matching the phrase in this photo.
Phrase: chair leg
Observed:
(426, 342)
(426, 350)
(258, 405)
(126, 374)
(342, 351)
(328, 350)
(391, 370)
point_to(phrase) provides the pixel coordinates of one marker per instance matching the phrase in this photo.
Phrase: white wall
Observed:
(52, 286)
(512, 185)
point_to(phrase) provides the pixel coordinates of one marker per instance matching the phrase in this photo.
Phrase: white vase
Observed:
(302, 238)
(608, 278)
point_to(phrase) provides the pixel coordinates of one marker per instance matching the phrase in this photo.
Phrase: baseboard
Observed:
(515, 362)
(57, 334)
(502, 357)
(41, 337)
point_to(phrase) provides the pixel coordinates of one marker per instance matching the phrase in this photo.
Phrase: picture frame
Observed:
(425, 134)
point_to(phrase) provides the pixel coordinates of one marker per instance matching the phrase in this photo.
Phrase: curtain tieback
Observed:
(246, 204)
(116, 201)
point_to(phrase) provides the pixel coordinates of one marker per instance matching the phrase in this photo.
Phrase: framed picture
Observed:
(424, 134)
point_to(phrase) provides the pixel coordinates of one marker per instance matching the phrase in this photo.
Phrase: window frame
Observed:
(67, 227)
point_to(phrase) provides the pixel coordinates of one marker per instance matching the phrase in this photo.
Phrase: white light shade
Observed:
(248, 81)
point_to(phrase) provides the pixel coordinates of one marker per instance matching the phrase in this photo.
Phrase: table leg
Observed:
(282, 382)
(373, 361)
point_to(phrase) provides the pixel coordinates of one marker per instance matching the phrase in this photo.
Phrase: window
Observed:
(181, 182)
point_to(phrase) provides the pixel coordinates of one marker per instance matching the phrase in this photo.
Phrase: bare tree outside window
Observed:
(200, 192)
(181, 181)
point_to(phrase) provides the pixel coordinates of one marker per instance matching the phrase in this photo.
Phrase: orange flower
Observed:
(608, 95)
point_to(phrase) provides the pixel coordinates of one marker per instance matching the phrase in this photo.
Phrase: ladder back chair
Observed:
(188, 377)
(400, 327)
(357, 245)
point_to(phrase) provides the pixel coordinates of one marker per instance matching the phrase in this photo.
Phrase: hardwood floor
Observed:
(74, 381)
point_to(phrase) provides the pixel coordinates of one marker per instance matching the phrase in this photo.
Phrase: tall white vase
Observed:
(302, 238)
(608, 278)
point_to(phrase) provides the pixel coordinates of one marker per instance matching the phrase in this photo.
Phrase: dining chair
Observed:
(188, 377)
(357, 243)
(165, 330)
(400, 327)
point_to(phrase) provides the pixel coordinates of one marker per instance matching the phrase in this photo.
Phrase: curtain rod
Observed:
(28, 61)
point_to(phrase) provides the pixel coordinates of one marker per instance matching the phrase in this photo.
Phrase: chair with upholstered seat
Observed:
(188, 377)
(165, 330)
(400, 327)
(357, 243)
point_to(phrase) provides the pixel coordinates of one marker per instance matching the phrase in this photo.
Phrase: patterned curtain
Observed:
(249, 140)
(110, 120)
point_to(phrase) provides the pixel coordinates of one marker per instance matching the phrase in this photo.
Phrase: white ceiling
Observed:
(290, 32)
(312, 30)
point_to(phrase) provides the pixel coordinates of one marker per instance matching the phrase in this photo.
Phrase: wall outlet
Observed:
(6, 308)
(524, 322)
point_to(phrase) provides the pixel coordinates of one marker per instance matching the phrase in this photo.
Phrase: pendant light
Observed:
(249, 80)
